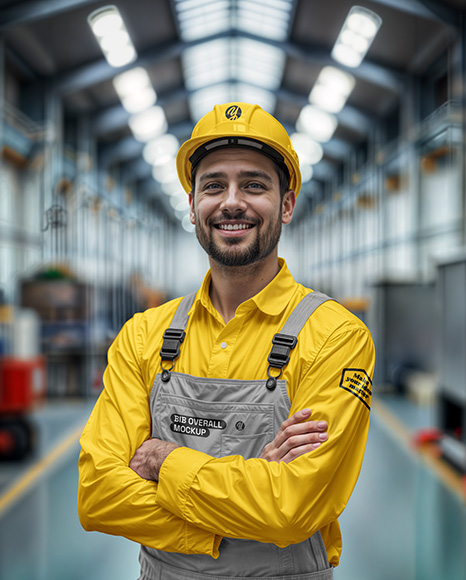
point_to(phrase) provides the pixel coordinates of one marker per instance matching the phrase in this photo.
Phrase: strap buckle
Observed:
(279, 355)
(172, 339)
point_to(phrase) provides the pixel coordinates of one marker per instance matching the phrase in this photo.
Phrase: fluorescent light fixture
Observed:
(109, 29)
(180, 203)
(309, 151)
(356, 36)
(332, 89)
(187, 225)
(306, 172)
(148, 124)
(135, 90)
(319, 124)
(137, 102)
(160, 150)
(165, 173)
(172, 187)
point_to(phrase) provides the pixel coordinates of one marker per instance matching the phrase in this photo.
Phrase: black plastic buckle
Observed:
(172, 339)
(279, 355)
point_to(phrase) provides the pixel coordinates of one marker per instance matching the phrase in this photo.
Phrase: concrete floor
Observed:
(402, 522)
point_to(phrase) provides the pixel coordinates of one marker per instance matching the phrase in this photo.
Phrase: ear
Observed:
(288, 205)
(192, 215)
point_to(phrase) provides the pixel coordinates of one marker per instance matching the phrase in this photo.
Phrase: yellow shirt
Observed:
(199, 499)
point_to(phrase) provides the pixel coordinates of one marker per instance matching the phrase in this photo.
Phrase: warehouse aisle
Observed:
(402, 521)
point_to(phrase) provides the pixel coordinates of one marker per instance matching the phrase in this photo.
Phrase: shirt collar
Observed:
(270, 300)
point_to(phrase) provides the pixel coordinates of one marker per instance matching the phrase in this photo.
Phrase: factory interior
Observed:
(94, 227)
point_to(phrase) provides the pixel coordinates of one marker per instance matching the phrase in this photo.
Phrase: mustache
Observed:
(227, 217)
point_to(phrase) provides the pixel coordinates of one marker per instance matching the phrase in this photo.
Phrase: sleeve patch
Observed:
(358, 383)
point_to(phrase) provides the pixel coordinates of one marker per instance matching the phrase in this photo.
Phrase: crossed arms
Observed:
(282, 497)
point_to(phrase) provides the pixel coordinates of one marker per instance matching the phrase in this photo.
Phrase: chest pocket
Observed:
(222, 416)
(218, 417)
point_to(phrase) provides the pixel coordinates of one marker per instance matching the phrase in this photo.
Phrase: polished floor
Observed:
(402, 523)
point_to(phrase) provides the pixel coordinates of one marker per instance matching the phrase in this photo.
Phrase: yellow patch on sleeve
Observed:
(358, 383)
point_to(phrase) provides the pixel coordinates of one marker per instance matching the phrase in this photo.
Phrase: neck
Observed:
(231, 286)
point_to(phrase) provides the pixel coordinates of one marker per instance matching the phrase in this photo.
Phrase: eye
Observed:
(255, 186)
(212, 187)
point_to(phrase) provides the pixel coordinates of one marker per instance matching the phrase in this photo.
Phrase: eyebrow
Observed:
(242, 175)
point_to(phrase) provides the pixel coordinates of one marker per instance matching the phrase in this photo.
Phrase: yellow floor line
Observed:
(427, 454)
(28, 479)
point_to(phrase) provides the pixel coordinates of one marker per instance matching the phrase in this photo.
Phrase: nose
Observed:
(233, 199)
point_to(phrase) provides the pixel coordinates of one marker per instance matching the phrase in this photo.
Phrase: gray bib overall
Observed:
(230, 417)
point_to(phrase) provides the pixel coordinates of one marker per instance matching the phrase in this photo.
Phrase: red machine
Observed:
(22, 387)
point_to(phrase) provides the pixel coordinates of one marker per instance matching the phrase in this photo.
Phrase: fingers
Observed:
(316, 431)
(295, 437)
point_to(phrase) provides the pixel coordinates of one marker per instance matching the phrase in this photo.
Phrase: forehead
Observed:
(235, 160)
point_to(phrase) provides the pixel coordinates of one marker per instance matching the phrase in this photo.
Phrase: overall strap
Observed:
(174, 335)
(180, 318)
(302, 312)
(284, 341)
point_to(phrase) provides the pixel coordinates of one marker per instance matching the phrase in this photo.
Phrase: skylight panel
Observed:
(182, 5)
(200, 19)
(268, 28)
(203, 10)
(251, 94)
(196, 28)
(258, 63)
(270, 20)
(260, 10)
(284, 5)
(206, 64)
(203, 101)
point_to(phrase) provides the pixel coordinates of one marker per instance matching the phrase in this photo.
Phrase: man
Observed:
(201, 446)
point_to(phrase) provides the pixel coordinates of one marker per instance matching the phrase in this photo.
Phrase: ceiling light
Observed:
(160, 150)
(131, 81)
(148, 124)
(109, 29)
(172, 187)
(105, 21)
(332, 89)
(135, 90)
(309, 151)
(140, 101)
(319, 124)
(187, 225)
(306, 173)
(356, 36)
(165, 173)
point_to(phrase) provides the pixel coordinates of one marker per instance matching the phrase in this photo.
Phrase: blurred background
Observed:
(95, 100)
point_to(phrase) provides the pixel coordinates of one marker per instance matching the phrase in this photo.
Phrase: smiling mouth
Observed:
(234, 227)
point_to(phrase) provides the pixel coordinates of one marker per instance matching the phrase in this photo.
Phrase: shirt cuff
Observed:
(176, 478)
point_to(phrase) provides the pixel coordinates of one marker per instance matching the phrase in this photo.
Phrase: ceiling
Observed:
(49, 43)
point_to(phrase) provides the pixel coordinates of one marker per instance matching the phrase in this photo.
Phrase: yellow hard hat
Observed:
(238, 125)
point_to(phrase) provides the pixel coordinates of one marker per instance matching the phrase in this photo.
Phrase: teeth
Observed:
(231, 227)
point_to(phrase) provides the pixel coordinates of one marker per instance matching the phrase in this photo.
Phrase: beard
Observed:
(258, 248)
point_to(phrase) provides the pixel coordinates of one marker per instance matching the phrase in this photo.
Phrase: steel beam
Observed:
(26, 12)
(428, 9)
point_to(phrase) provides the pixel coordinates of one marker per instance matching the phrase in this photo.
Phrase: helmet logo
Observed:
(233, 113)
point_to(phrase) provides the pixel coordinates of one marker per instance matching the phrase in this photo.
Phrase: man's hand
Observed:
(295, 437)
(148, 459)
